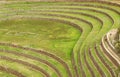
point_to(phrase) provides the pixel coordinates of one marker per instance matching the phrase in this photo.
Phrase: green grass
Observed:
(4, 74)
(53, 36)
(26, 24)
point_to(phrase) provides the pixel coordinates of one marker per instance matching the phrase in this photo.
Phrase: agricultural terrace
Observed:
(58, 39)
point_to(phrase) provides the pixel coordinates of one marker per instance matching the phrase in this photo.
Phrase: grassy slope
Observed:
(56, 42)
